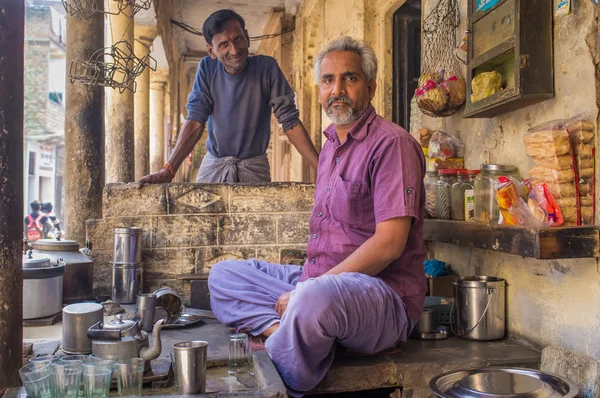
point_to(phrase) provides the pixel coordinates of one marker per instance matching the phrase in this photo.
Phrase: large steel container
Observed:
(79, 271)
(77, 319)
(42, 287)
(480, 304)
(128, 245)
(127, 281)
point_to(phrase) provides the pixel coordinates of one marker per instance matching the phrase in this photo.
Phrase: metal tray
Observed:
(495, 382)
(437, 333)
(183, 320)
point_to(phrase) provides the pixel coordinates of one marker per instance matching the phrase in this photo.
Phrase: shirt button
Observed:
(312, 261)
(314, 236)
(320, 214)
(337, 160)
(328, 189)
(409, 190)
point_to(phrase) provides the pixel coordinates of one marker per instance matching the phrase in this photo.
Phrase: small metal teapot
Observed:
(125, 339)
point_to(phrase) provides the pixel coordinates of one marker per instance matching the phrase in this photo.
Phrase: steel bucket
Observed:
(480, 305)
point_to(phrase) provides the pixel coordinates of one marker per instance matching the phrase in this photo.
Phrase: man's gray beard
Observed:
(351, 116)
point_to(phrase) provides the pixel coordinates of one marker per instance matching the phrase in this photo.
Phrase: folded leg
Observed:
(243, 293)
(360, 312)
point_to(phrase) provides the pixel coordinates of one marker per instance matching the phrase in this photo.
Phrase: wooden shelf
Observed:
(544, 243)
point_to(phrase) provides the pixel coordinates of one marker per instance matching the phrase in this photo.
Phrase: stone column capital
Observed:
(145, 34)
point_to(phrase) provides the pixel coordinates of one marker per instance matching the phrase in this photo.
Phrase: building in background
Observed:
(44, 112)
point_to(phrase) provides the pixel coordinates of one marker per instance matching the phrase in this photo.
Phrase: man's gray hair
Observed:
(368, 59)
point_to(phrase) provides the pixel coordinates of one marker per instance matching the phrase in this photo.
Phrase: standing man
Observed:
(234, 94)
(363, 284)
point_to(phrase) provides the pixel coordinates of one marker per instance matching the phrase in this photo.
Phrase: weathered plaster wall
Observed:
(190, 227)
(549, 302)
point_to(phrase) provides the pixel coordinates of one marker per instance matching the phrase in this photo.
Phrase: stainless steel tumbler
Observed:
(190, 365)
(145, 307)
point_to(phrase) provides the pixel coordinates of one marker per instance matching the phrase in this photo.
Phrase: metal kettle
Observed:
(125, 339)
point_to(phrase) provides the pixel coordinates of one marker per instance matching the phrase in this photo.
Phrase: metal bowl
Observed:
(494, 382)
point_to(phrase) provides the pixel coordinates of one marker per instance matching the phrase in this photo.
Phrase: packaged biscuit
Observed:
(549, 146)
(582, 136)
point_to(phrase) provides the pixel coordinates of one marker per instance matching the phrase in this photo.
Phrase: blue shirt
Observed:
(238, 107)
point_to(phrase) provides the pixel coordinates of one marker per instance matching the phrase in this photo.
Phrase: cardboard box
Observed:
(441, 285)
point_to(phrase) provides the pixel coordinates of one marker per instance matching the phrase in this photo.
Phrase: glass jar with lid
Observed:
(463, 196)
(443, 194)
(430, 182)
(486, 206)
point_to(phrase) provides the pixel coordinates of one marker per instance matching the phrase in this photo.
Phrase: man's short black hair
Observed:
(35, 205)
(217, 23)
(46, 206)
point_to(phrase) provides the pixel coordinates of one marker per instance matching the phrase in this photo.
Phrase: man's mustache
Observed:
(339, 98)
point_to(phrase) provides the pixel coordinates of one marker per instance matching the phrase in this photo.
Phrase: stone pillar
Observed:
(12, 39)
(120, 151)
(84, 131)
(143, 40)
(157, 125)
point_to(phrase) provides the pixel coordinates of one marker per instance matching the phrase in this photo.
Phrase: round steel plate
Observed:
(497, 382)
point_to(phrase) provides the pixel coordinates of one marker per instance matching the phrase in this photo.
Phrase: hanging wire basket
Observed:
(442, 89)
(84, 9)
(116, 66)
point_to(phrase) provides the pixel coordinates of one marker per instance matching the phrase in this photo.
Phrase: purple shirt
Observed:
(376, 174)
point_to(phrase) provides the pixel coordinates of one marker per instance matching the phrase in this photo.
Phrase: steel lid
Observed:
(479, 281)
(497, 167)
(35, 262)
(119, 323)
(497, 382)
(56, 245)
(83, 308)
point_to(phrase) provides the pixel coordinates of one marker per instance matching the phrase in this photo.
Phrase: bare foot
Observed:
(271, 329)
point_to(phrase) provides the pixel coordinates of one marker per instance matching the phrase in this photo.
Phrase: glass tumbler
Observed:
(97, 376)
(37, 379)
(239, 351)
(130, 376)
(67, 378)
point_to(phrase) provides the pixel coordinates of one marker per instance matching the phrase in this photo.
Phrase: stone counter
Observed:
(190, 227)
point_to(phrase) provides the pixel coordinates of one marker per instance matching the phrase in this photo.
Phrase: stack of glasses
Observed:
(76, 376)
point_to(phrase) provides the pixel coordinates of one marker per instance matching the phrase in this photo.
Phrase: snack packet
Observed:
(513, 209)
(444, 145)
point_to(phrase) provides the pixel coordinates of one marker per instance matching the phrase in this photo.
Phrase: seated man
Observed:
(363, 284)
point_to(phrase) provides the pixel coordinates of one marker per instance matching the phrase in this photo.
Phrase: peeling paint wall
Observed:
(549, 302)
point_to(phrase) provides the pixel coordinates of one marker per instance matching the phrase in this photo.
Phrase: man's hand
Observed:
(160, 177)
(282, 303)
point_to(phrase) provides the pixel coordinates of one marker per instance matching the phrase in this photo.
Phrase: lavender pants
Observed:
(358, 311)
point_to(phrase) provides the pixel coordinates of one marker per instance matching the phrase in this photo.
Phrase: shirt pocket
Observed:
(346, 203)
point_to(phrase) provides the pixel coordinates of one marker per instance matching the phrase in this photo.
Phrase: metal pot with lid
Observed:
(42, 286)
(496, 382)
(79, 271)
(125, 339)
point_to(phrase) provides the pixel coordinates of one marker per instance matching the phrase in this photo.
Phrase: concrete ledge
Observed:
(414, 363)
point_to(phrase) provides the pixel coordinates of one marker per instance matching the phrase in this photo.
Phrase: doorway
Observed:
(407, 60)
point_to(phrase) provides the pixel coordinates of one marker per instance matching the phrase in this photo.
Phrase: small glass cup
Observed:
(37, 379)
(239, 351)
(97, 376)
(67, 378)
(130, 376)
(43, 358)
